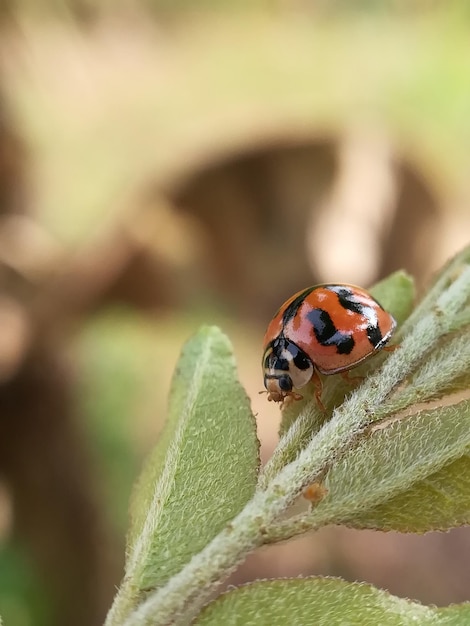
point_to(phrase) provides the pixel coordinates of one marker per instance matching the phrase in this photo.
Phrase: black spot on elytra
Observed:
(327, 334)
(323, 326)
(295, 305)
(374, 335)
(347, 300)
(345, 344)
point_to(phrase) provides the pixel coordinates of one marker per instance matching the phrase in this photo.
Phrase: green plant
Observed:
(390, 455)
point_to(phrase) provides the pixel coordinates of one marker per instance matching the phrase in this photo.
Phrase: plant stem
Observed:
(295, 525)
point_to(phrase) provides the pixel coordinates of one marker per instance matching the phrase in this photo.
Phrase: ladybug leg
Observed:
(289, 398)
(391, 348)
(318, 386)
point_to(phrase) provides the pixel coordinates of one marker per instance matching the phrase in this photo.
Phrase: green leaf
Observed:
(396, 294)
(454, 615)
(448, 274)
(439, 502)
(409, 474)
(201, 473)
(313, 602)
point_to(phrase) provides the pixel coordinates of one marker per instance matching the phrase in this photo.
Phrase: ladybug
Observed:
(326, 328)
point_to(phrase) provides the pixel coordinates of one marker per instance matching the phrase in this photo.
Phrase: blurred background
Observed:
(163, 166)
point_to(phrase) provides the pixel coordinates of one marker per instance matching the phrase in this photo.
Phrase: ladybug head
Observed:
(285, 367)
(278, 387)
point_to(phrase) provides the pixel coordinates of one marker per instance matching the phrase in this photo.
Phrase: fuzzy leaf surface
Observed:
(454, 615)
(410, 475)
(313, 602)
(202, 471)
(396, 294)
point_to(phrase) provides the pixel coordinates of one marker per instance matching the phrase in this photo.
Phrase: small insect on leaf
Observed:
(315, 493)
(327, 328)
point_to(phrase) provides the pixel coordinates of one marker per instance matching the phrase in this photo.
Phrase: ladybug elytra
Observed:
(326, 328)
